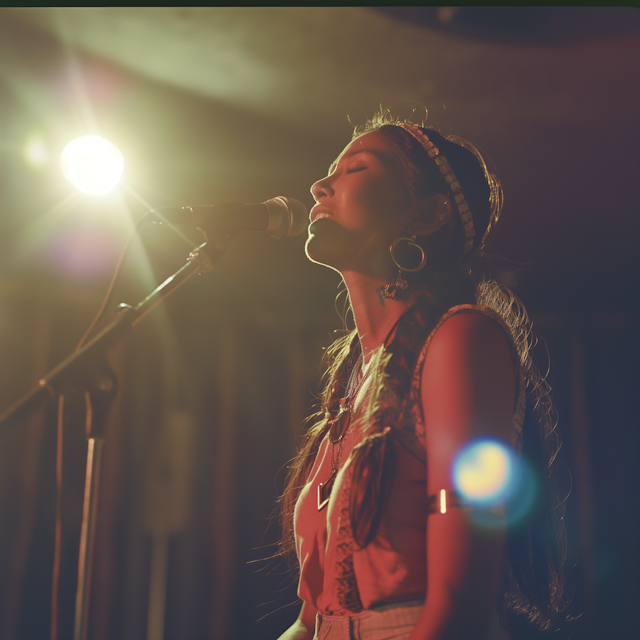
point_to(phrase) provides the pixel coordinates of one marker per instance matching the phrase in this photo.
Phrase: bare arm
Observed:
(468, 391)
(304, 627)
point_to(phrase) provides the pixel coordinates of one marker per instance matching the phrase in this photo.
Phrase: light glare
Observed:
(92, 164)
(482, 472)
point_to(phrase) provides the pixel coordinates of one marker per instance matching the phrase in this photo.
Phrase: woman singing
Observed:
(388, 547)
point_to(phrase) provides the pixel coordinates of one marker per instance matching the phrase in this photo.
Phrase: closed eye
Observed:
(354, 169)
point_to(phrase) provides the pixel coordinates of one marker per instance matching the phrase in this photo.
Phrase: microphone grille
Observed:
(290, 215)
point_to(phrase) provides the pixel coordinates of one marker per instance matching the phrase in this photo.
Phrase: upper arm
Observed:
(468, 391)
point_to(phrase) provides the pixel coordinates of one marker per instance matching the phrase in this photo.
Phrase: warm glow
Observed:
(92, 164)
(35, 151)
(482, 471)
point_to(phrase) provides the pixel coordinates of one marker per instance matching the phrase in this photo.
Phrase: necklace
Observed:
(339, 427)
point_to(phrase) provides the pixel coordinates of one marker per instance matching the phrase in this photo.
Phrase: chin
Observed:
(314, 252)
(325, 244)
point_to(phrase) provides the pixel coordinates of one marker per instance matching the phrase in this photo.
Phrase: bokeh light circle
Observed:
(482, 472)
(92, 164)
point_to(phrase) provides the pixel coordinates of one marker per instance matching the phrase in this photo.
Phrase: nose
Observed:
(321, 189)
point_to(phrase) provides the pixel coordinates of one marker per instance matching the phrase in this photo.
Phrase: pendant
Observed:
(324, 490)
(339, 425)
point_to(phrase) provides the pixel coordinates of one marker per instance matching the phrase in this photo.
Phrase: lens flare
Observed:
(81, 254)
(92, 164)
(482, 472)
(523, 492)
(491, 476)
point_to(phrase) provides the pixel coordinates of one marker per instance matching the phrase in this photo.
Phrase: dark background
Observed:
(214, 105)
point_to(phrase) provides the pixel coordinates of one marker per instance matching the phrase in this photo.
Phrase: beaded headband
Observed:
(452, 181)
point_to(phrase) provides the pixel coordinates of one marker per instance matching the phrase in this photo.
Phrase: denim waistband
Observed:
(393, 620)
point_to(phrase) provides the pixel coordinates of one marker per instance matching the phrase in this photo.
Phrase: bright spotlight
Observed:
(482, 472)
(92, 164)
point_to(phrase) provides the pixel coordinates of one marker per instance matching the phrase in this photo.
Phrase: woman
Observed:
(386, 546)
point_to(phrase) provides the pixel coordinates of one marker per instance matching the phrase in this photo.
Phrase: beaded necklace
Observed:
(339, 429)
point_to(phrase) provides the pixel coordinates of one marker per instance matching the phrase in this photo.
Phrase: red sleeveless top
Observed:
(338, 577)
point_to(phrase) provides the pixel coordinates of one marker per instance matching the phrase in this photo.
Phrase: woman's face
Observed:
(360, 209)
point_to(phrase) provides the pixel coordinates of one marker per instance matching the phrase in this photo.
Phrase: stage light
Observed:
(482, 472)
(92, 164)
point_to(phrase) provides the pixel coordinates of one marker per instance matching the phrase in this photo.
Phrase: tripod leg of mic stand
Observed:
(87, 537)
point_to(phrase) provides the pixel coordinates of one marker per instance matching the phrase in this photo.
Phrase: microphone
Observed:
(280, 217)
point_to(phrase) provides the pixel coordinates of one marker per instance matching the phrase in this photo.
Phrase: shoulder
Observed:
(467, 329)
(468, 375)
(470, 331)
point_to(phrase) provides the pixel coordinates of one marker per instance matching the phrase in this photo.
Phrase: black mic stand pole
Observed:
(88, 370)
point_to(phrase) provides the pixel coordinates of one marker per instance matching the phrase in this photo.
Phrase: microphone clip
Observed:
(205, 256)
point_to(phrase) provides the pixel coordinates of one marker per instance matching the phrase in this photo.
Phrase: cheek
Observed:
(389, 219)
(386, 204)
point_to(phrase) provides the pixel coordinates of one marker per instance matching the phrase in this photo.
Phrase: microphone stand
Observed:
(88, 370)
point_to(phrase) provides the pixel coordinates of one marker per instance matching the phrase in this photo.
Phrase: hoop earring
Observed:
(411, 242)
(396, 288)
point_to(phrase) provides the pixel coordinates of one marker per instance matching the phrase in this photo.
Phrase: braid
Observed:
(341, 356)
(373, 461)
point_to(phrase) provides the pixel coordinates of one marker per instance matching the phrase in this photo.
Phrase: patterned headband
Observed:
(452, 181)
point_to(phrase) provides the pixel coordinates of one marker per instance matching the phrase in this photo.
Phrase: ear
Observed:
(432, 213)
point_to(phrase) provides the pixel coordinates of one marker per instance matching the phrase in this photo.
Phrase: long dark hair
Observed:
(533, 582)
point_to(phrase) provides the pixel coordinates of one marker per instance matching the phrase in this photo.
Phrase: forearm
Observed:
(463, 579)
